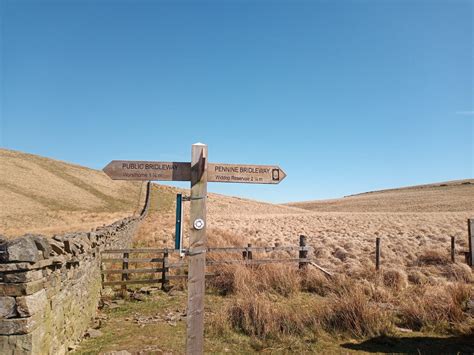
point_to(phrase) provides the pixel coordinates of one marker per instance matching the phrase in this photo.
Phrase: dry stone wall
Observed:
(50, 287)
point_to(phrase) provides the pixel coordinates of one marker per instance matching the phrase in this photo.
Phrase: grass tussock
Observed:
(457, 272)
(352, 312)
(437, 308)
(433, 257)
(315, 282)
(265, 317)
(274, 278)
(395, 279)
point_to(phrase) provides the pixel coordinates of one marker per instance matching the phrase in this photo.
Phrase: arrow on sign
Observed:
(247, 174)
(148, 170)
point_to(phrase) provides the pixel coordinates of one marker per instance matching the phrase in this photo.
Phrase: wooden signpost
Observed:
(199, 172)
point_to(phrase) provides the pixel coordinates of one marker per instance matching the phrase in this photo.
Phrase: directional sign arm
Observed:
(148, 170)
(244, 173)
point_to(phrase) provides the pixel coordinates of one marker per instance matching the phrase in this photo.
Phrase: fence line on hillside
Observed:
(161, 265)
(468, 254)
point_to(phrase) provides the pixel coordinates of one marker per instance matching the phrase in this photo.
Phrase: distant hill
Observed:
(451, 196)
(38, 194)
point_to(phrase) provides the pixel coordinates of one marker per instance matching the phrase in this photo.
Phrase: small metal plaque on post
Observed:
(198, 224)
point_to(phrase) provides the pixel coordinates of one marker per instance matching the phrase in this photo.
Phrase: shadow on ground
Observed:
(416, 344)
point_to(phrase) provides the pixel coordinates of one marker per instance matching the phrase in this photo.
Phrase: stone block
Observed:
(35, 342)
(70, 247)
(22, 276)
(3, 248)
(43, 245)
(19, 325)
(57, 247)
(7, 307)
(30, 305)
(25, 266)
(22, 289)
(21, 249)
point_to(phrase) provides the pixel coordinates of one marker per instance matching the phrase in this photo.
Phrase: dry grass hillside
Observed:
(41, 195)
(452, 196)
(344, 240)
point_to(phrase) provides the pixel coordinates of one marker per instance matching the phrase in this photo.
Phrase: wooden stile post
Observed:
(197, 251)
(124, 276)
(377, 253)
(470, 230)
(303, 254)
(453, 249)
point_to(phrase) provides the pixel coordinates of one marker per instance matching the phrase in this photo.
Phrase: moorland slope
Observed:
(42, 195)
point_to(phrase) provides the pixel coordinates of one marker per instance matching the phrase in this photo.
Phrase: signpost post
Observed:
(199, 172)
(197, 251)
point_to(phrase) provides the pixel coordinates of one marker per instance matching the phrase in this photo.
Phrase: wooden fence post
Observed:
(470, 230)
(249, 251)
(377, 253)
(124, 275)
(453, 248)
(303, 253)
(164, 280)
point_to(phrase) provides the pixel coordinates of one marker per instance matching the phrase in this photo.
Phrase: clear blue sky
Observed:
(346, 96)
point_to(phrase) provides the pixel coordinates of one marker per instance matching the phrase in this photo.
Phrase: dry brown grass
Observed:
(353, 313)
(315, 282)
(395, 279)
(433, 257)
(264, 301)
(263, 317)
(258, 304)
(278, 279)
